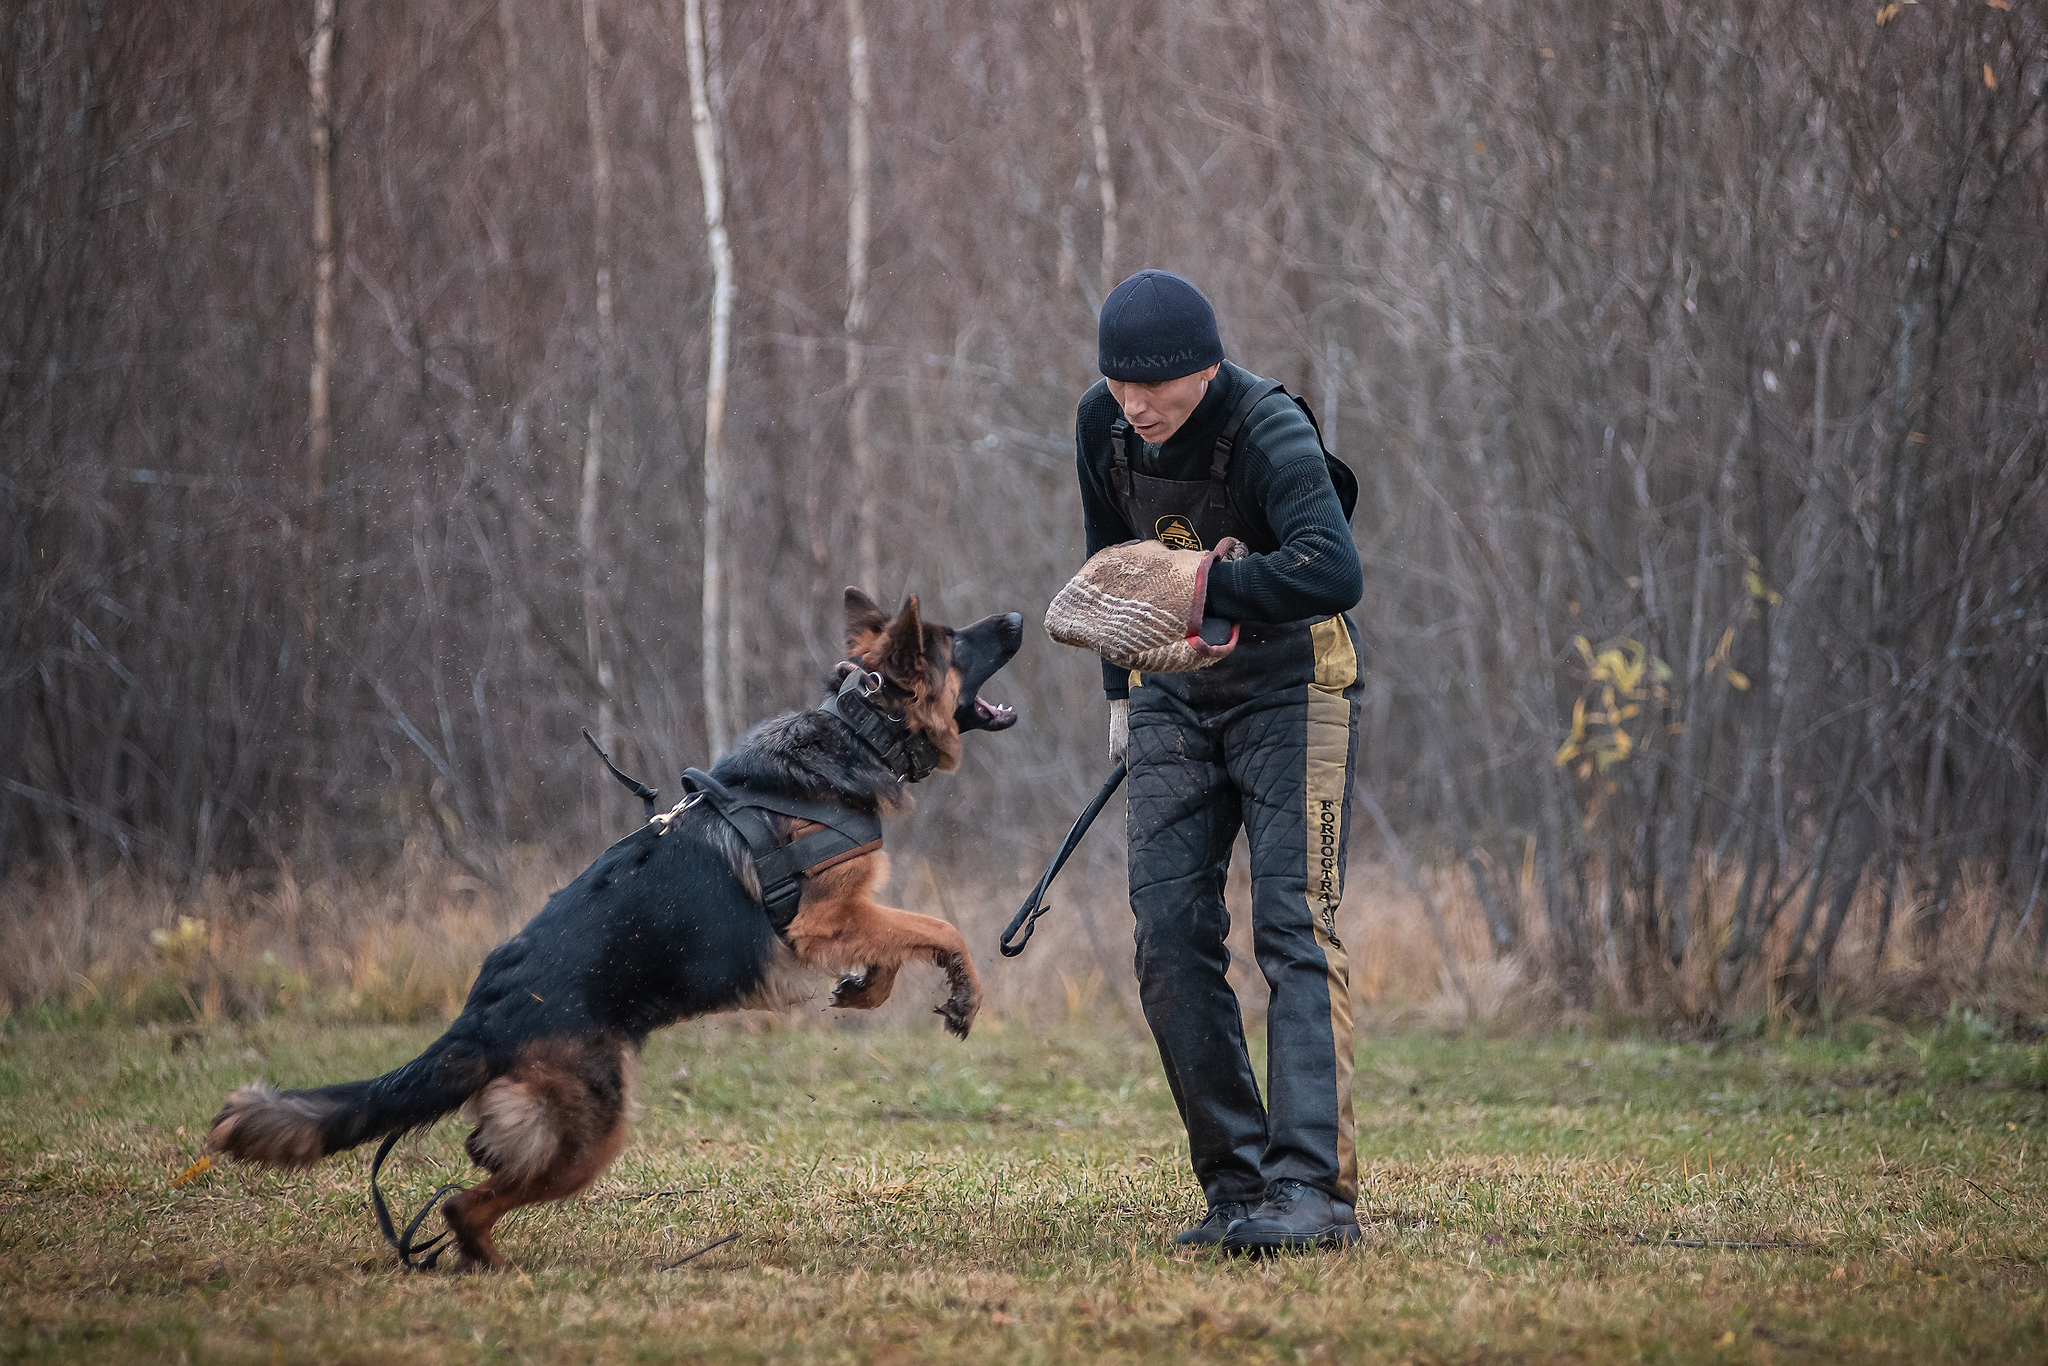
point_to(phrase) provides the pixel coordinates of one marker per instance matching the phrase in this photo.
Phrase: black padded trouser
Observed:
(1266, 740)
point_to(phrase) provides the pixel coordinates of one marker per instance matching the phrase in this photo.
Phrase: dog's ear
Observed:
(903, 649)
(862, 617)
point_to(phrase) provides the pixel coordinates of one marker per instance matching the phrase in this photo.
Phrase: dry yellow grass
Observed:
(402, 945)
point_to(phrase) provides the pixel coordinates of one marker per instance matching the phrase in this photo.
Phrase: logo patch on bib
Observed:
(1178, 532)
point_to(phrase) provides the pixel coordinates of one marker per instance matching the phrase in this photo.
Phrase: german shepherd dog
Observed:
(666, 925)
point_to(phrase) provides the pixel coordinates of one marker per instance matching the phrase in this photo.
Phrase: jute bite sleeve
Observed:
(1140, 606)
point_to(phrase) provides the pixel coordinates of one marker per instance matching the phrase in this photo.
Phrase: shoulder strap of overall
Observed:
(1341, 478)
(1226, 440)
(1120, 468)
(781, 864)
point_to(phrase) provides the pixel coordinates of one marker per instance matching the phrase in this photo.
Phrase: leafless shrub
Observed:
(1714, 336)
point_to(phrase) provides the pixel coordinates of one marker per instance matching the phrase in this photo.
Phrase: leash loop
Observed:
(411, 1256)
(1026, 919)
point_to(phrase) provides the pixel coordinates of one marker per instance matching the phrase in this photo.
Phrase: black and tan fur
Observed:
(667, 924)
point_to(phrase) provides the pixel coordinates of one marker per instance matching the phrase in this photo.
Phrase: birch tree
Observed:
(717, 692)
(319, 415)
(858, 207)
(1098, 136)
(593, 445)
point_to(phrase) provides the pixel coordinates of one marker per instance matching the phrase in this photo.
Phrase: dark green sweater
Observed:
(1303, 564)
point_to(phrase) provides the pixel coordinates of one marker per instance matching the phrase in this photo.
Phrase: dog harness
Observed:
(845, 834)
(783, 863)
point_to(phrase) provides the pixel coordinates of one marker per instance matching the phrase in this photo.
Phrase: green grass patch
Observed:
(902, 1197)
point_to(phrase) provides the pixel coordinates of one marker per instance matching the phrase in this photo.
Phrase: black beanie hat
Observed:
(1156, 326)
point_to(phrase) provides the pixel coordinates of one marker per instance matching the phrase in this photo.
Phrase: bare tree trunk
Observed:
(508, 40)
(593, 449)
(717, 713)
(1105, 179)
(320, 420)
(867, 567)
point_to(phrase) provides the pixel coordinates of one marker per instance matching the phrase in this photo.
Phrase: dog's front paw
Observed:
(959, 1013)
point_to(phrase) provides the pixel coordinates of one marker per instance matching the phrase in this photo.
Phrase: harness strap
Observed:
(783, 863)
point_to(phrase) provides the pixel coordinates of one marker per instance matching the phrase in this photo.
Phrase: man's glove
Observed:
(1119, 728)
(1140, 605)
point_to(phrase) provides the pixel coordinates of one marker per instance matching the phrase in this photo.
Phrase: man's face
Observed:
(1156, 411)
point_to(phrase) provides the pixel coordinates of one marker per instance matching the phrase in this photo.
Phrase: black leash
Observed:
(639, 789)
(411, 1256)
(1034, 905)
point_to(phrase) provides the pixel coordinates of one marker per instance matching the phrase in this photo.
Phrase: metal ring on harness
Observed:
(909, 754)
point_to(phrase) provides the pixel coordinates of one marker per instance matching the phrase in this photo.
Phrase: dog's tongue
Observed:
(995, 713)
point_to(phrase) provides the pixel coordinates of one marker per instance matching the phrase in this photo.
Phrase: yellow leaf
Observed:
(1990, 81)
(1629, 712)
(1619, 746)
(1625, 671)
(1886, 15)
(1585, 650)
(1726, 1340)
(1760, 590)
(1736, 679)
(193, 1172)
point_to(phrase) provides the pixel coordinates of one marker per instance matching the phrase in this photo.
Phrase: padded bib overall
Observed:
(1265, 740)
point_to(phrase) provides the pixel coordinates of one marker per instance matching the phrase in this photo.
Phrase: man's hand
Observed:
(1119, 728)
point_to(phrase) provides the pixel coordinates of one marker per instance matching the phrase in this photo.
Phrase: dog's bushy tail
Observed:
(297, 1128)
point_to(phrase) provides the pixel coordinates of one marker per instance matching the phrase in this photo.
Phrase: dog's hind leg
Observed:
(544, 1130)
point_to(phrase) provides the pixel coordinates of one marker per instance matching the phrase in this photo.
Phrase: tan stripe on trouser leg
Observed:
(1329, 744)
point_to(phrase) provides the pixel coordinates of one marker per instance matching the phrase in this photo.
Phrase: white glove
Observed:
(1119, 728)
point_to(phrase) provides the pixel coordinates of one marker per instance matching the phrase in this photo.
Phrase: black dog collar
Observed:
(908, 754)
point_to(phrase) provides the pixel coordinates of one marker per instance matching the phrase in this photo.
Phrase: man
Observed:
(1265, 740)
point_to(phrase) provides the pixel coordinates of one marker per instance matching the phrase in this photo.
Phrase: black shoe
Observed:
(1294, 1215)
(1211, 1230)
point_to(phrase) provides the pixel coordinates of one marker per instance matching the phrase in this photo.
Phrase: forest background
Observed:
(390, 390)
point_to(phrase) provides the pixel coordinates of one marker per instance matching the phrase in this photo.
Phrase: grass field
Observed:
(902, 1197)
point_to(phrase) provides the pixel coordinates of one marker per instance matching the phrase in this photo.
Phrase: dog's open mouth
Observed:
(993, 715)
